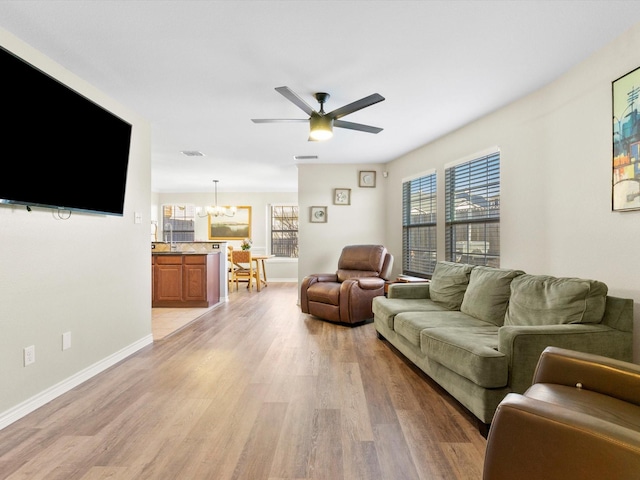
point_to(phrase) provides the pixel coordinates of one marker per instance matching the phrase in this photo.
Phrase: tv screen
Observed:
(58, 149)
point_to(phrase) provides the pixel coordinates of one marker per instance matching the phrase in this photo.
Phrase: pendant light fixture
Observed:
(216, 210)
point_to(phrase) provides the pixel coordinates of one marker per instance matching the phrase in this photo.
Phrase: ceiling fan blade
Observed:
(279, 120)
(356, 126)
(294, 98)
(357, 105)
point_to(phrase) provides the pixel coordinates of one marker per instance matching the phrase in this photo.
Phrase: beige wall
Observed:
(362, 222)
(88, 275)
(556, 167)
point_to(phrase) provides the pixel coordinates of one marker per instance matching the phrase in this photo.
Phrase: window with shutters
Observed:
(419, 211)
(472, 205)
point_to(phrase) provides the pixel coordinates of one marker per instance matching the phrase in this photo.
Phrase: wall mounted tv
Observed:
(58, 149)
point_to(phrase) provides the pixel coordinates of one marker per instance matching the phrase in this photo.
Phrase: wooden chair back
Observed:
(242, 268)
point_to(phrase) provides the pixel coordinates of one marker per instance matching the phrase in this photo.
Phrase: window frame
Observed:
(272, 242)
(420, 232)
(472, 210)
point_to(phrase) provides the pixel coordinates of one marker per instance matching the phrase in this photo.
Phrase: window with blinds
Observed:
(419, 226)
(472, 205)
(284, 231)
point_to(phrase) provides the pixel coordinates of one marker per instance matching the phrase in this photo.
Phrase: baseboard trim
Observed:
(44, 397)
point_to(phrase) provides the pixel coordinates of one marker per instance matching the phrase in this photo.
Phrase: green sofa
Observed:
(479, 331)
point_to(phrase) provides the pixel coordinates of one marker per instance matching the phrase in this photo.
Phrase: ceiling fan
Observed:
(321, 123)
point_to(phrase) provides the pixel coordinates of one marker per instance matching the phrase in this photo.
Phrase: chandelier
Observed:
(216, 210)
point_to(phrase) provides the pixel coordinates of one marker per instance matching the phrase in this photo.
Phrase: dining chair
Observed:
(242, 268)
(231, 266)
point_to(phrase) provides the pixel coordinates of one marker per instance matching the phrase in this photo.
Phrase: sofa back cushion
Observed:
(448, 284)
(488, 293)
(546, 300)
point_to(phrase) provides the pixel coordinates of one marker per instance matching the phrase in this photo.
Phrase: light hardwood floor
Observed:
(167, 320)
(253, 389)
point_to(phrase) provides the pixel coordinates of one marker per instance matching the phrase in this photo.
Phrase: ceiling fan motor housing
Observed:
(321, 97)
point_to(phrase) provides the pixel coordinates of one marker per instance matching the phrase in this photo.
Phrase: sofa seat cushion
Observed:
(487, 295)
(410, 324)
(324, 292)
(448, 284)
(545, 300)
(471, 352)
(387, 308)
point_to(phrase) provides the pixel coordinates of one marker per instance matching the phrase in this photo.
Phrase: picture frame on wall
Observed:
(237, 227)
(625, 190)
(342, 196)
(367, 178)
(318, 214)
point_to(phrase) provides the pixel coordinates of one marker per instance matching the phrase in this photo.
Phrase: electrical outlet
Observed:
(29, 355)
(66, 340)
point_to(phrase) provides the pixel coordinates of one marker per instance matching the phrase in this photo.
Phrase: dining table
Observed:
(260, 268)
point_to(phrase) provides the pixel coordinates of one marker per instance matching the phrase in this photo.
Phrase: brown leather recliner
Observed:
(345, 296)
(580, 420)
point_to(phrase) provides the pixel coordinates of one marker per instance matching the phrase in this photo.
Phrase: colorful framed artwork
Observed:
(342, 196)
(367, 178)
(318, 214)
(237, 227)
(626, 142)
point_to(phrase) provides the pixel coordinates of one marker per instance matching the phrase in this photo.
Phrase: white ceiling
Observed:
(200, 70)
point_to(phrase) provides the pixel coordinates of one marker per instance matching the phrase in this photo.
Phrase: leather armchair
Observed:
(345, 296)
(579, 420)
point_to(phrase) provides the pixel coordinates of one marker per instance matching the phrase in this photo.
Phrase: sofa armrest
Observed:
(408, 290)
(599, 374)
(523, 345)
(531, 439)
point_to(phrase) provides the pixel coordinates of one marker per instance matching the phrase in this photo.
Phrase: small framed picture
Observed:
(342, 196)
(367, 178)
(318, 214)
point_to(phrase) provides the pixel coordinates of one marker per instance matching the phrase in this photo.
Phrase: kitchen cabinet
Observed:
(186, 280)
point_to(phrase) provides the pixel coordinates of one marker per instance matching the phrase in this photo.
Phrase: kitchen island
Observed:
(182, 279)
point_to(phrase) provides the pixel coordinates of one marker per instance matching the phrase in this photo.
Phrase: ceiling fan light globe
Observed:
(321, 128)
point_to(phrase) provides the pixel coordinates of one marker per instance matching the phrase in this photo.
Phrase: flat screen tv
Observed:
(58, 149)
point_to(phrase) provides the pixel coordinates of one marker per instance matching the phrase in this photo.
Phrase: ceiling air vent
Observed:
(192, 153)
(305, 157)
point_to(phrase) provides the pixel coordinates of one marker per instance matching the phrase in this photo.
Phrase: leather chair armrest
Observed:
(310, 280)
(356, 295)
(600, 374)
(325, 277)
(531, 440)
(370, 283)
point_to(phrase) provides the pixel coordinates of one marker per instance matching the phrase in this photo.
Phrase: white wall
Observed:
(88, 275)
(556, 170)
(362, 222)
(278, 269)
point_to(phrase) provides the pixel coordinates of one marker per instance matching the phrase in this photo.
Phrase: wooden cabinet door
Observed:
(167, 283)
(194, 282)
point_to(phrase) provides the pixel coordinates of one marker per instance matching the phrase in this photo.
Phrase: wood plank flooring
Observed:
(253, 389)
(167, 320)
